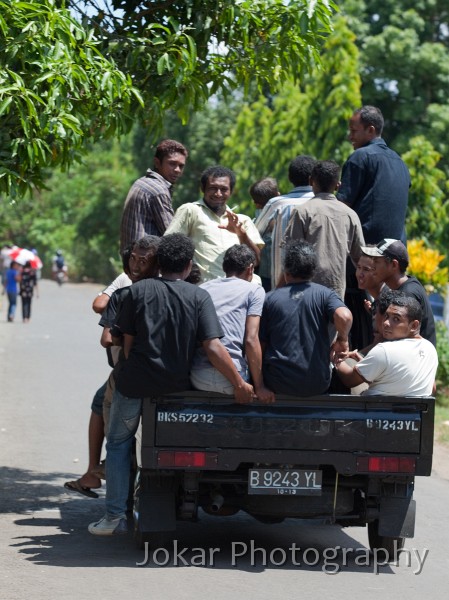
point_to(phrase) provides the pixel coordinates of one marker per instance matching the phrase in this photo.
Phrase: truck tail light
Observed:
(386, 464)
(178, 458)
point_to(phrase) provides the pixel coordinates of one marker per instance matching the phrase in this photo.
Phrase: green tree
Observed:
(62, 81)
(306, 119)
(57, 91)
(331, 95)
(182, 52)
(79, 213)
(427, 216)
(404, 46)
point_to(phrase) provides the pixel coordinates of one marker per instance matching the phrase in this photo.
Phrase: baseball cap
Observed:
(389, 248)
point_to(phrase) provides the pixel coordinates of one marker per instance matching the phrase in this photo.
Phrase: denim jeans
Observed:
(123, 422)
(12, 297)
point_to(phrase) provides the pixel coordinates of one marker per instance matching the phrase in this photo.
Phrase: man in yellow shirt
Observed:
(212, 226)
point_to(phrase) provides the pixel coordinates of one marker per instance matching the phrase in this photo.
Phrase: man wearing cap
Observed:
(390, 263)
(404, 364)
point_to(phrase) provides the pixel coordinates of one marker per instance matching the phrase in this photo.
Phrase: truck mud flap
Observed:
(397, 517)
(157, 511)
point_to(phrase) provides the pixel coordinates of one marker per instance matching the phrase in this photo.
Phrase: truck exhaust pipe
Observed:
(217, 503)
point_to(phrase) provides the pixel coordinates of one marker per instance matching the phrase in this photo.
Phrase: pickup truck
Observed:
(345, 459)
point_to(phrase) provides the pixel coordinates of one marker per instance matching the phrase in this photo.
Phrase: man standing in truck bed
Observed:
(162, 321)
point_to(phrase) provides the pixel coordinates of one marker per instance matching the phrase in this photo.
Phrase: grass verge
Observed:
(442, 420)
(442, 425)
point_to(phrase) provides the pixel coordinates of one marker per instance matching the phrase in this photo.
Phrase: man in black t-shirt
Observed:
(390, 263)
(162, 321)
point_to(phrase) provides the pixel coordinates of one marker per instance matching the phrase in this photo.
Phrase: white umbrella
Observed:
(22, 256)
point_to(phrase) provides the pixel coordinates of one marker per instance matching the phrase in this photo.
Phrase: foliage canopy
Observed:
(57, 92)
(310, 118)
(69, 78)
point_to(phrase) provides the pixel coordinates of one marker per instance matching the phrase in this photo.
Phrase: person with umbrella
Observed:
(28, 283)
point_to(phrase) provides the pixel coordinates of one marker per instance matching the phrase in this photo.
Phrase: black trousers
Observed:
(26, 307)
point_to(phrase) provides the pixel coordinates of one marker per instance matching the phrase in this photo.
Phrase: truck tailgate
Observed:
(338, 423)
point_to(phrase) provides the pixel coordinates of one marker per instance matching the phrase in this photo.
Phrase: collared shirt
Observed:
(334, 230)
(272, 223)
(148, 209)
(200, 223)
(375, 183)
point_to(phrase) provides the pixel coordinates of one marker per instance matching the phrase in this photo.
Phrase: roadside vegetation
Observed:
(442, 396)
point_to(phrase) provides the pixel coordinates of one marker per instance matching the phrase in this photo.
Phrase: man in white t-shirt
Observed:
(239, 304)
(404, 364)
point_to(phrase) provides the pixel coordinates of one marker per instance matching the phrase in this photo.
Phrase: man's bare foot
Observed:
(89, 480)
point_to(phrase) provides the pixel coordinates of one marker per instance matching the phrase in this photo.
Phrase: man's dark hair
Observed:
(237, 258)
(147, 242)
(326, 174)
(385, 298)
(175, 252)
(300, 259)
(300, 169)
(194, 275)
(126, 253)
(217, 171)
(263, 190)
(168, 147)
(411, 304)
(371, 115)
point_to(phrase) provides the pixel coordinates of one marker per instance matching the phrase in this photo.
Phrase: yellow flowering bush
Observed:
(425, 265)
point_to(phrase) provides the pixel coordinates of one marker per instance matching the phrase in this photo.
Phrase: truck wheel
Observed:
(391, 545)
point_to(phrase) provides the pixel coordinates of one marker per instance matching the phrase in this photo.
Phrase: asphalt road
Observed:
(49, 370)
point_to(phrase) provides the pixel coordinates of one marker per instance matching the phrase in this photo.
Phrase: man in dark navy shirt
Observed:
(375, 180)
(374, 183)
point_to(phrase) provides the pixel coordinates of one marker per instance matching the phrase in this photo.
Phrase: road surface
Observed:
(49, 370)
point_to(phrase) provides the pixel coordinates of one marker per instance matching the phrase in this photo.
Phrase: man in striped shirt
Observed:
(148, 207)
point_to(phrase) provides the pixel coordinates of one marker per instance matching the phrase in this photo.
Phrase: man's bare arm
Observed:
(343, 321)
(100, 302)
(349, 376)
(253, 353)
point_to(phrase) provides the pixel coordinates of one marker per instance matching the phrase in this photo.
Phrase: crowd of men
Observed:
(195, 313)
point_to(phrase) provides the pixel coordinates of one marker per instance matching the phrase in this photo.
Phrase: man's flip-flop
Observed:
(75, 486)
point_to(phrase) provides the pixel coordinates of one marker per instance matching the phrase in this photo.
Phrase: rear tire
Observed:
(391, 545)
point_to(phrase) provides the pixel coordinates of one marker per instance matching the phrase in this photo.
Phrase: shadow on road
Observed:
(53, 524)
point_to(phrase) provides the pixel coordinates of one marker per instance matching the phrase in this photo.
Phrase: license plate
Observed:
(285, 482)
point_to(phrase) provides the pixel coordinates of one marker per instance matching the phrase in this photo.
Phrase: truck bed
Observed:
(338, 430)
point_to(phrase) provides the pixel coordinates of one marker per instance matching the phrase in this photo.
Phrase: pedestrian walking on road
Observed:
(11, 288)
(28, 283)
